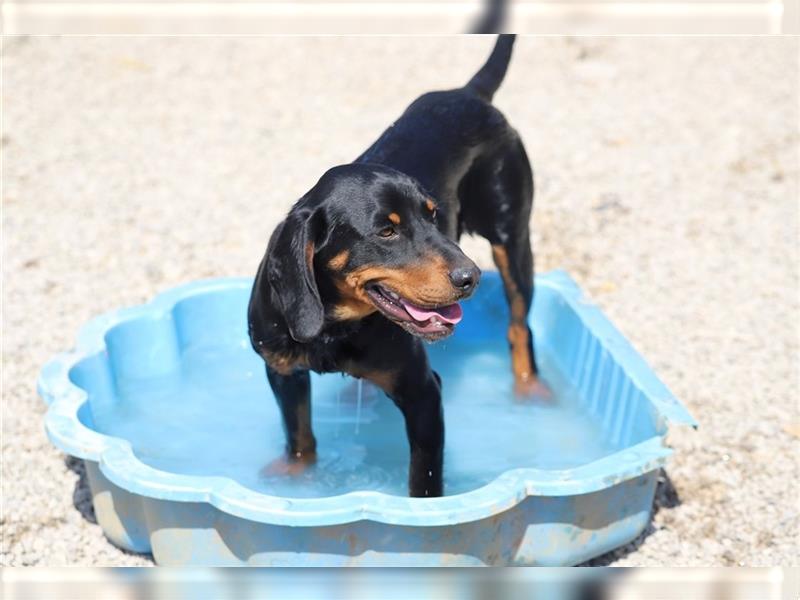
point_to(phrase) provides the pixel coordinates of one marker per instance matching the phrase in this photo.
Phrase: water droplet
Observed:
(358, 403)
(338, 410)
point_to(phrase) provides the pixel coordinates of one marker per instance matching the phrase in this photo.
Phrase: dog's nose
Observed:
(465, 278)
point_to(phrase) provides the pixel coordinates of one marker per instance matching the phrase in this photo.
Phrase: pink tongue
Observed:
(451, 313)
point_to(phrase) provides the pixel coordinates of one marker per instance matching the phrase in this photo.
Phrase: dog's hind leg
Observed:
(515, 262)
(497, 199)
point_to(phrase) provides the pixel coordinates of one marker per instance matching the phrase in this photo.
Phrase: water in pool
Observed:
(217, 417)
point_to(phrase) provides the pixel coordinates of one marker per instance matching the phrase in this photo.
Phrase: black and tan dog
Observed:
(366, 265)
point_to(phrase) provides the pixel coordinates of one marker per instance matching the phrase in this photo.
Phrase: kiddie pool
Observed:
(170, 409)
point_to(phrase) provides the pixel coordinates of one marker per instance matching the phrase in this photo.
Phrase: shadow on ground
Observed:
(81, 495)
(82, 498)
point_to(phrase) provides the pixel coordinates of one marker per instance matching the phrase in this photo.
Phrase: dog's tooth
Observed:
(394, 296)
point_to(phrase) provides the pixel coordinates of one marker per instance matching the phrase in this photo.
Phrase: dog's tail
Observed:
(490, 76)
(493, 19)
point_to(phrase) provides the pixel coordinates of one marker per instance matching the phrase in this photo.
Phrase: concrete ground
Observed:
(667, 176)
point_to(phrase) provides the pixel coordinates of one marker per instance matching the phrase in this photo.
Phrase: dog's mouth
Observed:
(428, 322)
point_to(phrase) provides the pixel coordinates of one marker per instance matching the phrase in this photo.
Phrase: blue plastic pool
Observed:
(170, 409)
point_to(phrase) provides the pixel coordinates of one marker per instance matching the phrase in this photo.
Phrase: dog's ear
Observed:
(290, 270)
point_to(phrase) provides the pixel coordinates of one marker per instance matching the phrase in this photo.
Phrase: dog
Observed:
(366, 267)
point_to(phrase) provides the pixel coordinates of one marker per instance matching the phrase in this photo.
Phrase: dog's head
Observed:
(366, 239)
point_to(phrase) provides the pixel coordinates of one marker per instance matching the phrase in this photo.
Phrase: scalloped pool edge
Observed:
(118, 463)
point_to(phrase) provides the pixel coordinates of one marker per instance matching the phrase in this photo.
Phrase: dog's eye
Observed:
(387, 232)
(433, 214)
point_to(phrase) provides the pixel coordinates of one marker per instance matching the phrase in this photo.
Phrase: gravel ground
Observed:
(667, 174)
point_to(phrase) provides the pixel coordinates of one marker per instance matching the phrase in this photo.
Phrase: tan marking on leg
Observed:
(305, 443)
(518, 334)
(520, 357)
(386, 380)
(338, 262)
(285, 364)
(289, 466)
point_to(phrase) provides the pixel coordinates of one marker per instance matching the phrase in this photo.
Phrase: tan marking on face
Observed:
(394, 218)
(430, 205)
(353, 305)
(338, 262)
(518, 332)
(426, 283)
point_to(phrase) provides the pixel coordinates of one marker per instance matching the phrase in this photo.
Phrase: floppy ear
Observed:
(290, 270)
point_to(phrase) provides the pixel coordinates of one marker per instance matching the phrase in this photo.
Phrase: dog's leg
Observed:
(515, 262)
(418, 395)
(403, 373)
(421, 405)
(497, 204)
(293, 393)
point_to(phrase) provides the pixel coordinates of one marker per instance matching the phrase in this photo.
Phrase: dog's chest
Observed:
(326, 354)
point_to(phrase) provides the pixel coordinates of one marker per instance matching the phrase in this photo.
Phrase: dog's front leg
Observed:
(417, 392)
(397, 363)
(421, 405)
(293, 393)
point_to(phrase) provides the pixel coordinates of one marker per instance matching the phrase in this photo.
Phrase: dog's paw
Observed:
(532, 389)
(289, 466)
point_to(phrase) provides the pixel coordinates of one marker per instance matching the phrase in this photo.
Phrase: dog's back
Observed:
(442, 135)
